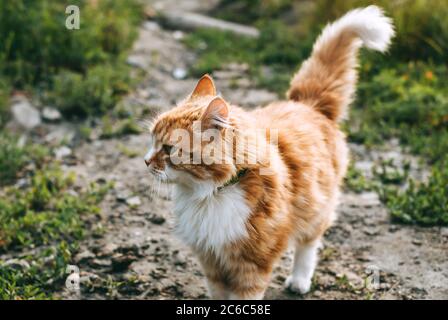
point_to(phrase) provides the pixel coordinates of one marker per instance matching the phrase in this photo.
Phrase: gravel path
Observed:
(138, 257)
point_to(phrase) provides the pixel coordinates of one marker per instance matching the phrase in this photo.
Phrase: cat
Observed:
(239, 219)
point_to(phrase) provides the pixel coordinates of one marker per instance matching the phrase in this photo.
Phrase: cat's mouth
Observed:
(159, 175)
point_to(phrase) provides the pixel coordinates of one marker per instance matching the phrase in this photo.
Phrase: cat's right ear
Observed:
(216, 115)
(205, 87)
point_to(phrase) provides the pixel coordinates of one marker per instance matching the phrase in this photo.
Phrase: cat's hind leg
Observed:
(217, 291)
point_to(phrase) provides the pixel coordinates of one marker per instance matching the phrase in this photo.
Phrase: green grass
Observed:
(4, 94)
(409, 102)
(94, 93)
(83, 72)
(113, 128)
(424, 203)
(14, 157)
(48, 212)
(356, 181)
(38, 275)
(37, 44)
(401, 95)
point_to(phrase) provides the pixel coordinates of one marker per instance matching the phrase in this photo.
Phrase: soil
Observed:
(138, 257)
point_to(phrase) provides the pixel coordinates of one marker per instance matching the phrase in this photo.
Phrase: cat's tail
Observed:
(327, 79)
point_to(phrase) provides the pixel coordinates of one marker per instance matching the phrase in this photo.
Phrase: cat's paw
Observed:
(298, 285)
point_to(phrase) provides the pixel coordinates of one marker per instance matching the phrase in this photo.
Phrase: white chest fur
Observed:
(209, 222)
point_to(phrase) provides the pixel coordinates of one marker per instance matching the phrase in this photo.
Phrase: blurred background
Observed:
(72, 103)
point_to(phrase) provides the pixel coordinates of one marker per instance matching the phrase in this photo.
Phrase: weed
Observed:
(14, 157)
(48, 210)
(83, 71)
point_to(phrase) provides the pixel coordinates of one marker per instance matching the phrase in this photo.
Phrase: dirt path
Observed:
(138, 257)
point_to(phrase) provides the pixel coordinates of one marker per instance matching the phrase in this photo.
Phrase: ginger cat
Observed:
(237, 215)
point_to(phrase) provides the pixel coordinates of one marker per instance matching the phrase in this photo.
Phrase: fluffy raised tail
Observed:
(326, 81)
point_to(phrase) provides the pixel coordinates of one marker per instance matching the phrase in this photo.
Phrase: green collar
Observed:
(236, 178)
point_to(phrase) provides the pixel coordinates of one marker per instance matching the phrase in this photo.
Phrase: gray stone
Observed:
(178, 35)
(123, 195)
(151, 26)
(444, 232)
(85, 255)
(25, 114)
(133, 201)
(99, 263)
(179, 73)
(17, 264)
(370, 199)
(107, 250)
(62, 152)
(88, 277)
(63, 133)
(51, 114)
(190, 21)
(137, 61)
(157, 219)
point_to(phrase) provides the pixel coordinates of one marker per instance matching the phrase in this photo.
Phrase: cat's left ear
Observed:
(205, 87)
(216, 115)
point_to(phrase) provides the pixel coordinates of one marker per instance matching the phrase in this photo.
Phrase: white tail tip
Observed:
(370, 24)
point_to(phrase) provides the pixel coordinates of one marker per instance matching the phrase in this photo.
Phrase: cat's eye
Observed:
(167, 148)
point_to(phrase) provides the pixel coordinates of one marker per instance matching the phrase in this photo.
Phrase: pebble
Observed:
(51, 114)
(370, 231)
(178, 35)
(317, 293)
(25, 114)
(156, 219)
(22, 183)
(85, 255)
(137, 61)
(179, 260)
(61, 133)
(370, 199)
(72, 193)
(62, 152)
(133, 201)
(151, 26)
(179, 73)
(88, 277)
(108, 249)
(123, 195)
(393, 228)
(99, 263)
(17, 264)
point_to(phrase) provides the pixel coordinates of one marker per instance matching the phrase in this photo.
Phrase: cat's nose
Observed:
(148, 162)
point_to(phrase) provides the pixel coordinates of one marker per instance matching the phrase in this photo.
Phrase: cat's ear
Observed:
(205, 87)
(216, 115)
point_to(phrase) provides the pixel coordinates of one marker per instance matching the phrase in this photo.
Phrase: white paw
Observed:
(298, 285)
